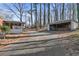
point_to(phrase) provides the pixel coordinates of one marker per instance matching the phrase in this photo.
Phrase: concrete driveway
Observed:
(40, 44)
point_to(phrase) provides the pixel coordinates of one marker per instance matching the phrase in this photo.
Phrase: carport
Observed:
(63, 25)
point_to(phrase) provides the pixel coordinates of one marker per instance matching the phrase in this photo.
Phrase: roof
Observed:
(63, 21)
(13, 21)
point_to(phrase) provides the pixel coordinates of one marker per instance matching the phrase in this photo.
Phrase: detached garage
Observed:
(63, 25)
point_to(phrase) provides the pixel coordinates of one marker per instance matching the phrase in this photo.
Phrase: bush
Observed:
(5, 29)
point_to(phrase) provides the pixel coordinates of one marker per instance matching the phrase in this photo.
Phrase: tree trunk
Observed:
(63, 11)
(31, 16)
(21, 13)
(44, 22)
(4, 35)
(40, 14)
(56, 12)
(36, 23)
(48, 13)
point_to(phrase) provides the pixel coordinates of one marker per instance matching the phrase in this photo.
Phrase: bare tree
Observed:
(19, 9)
(9, 8)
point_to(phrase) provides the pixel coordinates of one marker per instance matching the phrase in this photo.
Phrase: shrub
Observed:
(5, 29)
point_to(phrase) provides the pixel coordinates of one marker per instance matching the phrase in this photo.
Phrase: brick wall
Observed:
(1, 22)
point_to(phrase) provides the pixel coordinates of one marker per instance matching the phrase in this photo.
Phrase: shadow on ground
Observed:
(50, 52)
(52, 47)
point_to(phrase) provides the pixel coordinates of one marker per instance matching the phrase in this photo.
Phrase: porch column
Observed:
(10, 25)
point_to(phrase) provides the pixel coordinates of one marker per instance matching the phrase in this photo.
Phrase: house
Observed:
(63, 25)
(15, 26)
